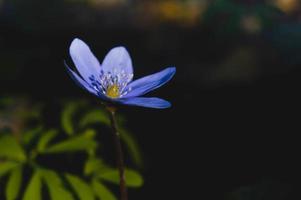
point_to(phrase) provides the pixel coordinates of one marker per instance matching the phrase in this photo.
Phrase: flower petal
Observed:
(149, 102)
(80, 82)
(149, 83)
(84, 60)
(118, 59)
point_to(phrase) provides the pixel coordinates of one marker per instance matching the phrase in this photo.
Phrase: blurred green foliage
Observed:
(25, 139)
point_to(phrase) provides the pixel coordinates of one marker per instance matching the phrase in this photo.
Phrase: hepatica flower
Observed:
(112, 80)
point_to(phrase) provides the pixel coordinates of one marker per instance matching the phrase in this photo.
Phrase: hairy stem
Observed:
(119, 154)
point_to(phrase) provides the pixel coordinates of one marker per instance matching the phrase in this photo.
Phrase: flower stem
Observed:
(119, 154)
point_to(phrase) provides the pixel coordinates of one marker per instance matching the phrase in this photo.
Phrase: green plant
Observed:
(23, 151)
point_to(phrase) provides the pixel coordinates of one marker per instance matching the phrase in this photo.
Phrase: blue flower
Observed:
(112, 80)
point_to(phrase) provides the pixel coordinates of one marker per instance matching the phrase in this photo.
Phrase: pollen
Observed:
(113, 91)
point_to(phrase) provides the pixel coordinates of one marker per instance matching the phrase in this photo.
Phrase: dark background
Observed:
(234, 121)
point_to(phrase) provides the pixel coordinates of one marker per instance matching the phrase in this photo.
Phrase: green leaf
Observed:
(55, 186)
(94, 165)
(102, 192)
(82, 189)
(9, 148)
(132, 146)
(6, 166)
(132, 178)
(78, 143)
(33, 190)
(67, 118)
(14, 184)
(95, 116)
(29, 135)
(45, 139)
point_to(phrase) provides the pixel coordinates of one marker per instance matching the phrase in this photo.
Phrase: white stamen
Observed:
(108, 79)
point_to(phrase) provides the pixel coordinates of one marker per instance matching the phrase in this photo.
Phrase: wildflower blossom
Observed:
(112, 80)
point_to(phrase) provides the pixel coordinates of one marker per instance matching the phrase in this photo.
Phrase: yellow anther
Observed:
(113, 91)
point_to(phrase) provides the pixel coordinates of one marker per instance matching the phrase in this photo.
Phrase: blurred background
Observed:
(233, 127)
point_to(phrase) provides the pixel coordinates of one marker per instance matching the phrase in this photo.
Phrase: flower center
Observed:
(112, 84)
(113, 91)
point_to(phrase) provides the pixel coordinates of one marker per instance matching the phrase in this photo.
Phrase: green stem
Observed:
(119, 154)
